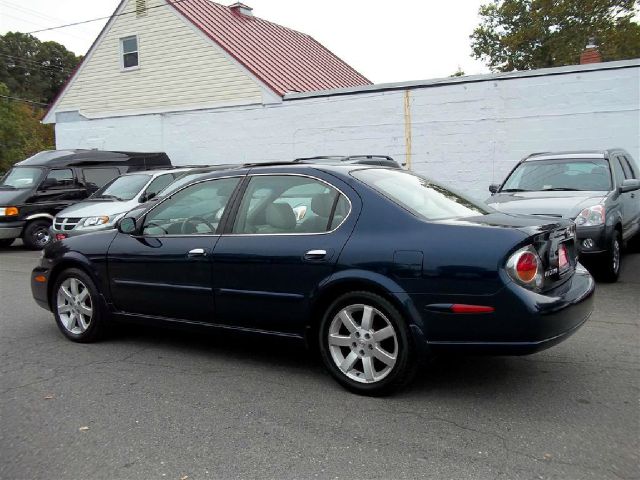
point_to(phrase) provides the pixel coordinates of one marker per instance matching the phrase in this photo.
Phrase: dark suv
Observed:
(34, 190)
(596, 189)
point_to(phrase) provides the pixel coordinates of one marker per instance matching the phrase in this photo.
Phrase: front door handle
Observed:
(197, 252)
(315, 255)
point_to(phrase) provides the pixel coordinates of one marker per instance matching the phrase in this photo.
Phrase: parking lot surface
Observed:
(153, 404)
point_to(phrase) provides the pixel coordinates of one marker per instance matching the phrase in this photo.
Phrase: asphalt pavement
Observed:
(156, 404)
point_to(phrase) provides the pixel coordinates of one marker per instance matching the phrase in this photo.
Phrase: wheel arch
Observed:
(350, 281)
(71, 261)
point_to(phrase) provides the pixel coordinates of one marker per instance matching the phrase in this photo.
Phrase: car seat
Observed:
(280, 218)
(321, 205)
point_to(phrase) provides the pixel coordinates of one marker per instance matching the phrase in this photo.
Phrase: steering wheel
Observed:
(196, 221)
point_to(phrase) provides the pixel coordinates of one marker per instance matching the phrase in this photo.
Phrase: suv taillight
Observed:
(525, 267)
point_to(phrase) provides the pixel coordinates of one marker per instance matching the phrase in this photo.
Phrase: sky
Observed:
(386, 41)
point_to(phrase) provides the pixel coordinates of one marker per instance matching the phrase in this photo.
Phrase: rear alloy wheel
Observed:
(36, 234)
(365, 344)
(612, 259)
(76, 306)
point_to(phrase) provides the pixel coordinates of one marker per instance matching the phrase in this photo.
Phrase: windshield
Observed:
(123, 188)
(419, 195)
(541, 175)
(21, 177)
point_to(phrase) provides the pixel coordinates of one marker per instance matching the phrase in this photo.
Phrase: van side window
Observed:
(59, 178)
(98, 177)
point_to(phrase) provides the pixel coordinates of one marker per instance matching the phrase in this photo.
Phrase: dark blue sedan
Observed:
(376, 267)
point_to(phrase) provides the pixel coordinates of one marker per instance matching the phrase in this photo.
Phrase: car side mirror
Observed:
(494, 187)
(127, 226)
(147, 196)
(630, 185)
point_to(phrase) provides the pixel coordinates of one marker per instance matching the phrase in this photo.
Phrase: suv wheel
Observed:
(612, 259)
(76, 306)
(36, 234)
(366, 344)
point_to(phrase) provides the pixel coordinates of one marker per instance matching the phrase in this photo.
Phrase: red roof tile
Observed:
(284, 59)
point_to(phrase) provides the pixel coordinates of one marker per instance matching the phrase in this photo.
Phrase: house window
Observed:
(129, 49)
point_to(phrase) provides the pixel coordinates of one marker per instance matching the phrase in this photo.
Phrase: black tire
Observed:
(99, 320)
(6, 242)
(612, 260)
(399, 375)
(36, 234)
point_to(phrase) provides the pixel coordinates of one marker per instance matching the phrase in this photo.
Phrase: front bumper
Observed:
(11, 229)
(599, 235)
(39, 287)
(523, 322)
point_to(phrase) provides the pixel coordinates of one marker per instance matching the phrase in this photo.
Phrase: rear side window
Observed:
(420, 196)
(290, 204)
(99, 177)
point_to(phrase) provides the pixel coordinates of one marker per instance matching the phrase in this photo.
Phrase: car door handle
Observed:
(315, 255)
(197, 252)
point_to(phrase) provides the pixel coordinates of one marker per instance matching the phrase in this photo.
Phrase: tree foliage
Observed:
(529, 34)
(32, 69)
(21, 132)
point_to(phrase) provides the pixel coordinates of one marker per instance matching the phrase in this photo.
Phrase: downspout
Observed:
(407, 128)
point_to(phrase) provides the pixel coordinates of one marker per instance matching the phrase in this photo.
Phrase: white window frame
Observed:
(122, 53)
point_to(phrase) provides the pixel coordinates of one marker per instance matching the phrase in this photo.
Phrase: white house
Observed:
(213, 84)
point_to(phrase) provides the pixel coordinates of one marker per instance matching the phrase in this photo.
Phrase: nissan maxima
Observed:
(377, 268)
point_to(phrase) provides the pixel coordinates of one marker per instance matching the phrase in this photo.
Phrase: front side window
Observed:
(195, 210)
(550, 175)
(21, 177)
(59, 178)
(158, 184)
(290, 204)
(129, 50)
(617, 170)
(123, 188)
(625, 167)
(420, 196)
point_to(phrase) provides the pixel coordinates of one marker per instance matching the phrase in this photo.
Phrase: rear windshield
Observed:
(21, 177)
(549, 175)
(420, 196)
(123, 188)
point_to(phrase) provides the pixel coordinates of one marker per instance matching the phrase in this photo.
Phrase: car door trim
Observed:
(167, 286)
(259, 293)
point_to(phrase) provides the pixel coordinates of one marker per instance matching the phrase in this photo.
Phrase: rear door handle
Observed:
(315, 255)
(197, 252)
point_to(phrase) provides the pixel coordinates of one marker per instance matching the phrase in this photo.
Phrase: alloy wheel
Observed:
(363, 343)
(74, 305)
(615, 256)
(41, 236)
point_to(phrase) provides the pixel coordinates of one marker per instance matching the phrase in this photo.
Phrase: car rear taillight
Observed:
(525, 267)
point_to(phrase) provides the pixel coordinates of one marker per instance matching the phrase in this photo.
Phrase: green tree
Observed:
(21, 132)
(529, 34)
(33, 69)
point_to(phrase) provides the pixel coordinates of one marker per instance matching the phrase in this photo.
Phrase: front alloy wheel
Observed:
(610, 268)
(75, 302)
(74, 306)
(366, 345)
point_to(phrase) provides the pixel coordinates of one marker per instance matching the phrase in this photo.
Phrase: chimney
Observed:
(591, 53)
(241, 9)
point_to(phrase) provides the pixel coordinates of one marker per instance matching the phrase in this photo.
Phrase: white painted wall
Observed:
(467, 135)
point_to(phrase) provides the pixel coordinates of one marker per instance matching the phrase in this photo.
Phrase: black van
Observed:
(34, 190)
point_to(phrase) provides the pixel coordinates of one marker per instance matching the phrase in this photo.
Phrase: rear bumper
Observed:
(11, 230)
(523, 322)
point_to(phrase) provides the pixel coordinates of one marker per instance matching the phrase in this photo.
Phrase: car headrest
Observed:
(322, 204)
(281, 215)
